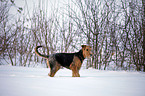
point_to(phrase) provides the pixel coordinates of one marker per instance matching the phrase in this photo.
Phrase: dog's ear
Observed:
(84, 46)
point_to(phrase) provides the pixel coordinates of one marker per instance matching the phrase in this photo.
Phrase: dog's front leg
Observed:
(78, 75)
(75, 70)
(75, 73)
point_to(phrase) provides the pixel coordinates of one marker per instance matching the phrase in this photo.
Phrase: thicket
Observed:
(114, 28)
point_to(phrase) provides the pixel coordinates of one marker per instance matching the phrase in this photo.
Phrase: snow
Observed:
(24, 81)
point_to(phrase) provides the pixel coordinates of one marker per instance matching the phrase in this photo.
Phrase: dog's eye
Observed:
(87, 49)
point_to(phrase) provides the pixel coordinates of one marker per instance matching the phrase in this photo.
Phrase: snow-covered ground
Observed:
(21, 81)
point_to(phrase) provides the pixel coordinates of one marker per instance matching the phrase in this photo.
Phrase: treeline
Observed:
(114, 28)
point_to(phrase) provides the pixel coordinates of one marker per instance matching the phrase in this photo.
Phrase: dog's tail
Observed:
(39, 54)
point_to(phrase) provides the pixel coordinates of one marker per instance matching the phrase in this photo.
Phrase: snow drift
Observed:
(21, 81)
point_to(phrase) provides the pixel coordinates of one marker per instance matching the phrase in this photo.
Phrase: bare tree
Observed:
(143, 29)
(114, 29)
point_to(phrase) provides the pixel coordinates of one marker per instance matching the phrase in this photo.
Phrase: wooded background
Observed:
(114, 28)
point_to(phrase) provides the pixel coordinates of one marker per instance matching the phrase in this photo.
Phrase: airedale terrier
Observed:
(71, 61)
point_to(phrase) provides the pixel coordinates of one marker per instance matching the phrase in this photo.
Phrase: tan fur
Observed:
(75, 67)
(76, 64)
(48, 63)
(86, 53)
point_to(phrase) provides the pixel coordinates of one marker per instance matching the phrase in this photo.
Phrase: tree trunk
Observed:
(143, 29)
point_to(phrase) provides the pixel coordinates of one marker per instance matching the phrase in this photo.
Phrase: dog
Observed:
(72, 61)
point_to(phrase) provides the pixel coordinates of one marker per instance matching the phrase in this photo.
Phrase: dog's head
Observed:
(87, 51)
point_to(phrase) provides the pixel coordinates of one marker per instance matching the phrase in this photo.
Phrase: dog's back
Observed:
(65, 59)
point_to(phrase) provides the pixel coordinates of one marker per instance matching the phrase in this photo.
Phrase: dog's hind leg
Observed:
(53, 69)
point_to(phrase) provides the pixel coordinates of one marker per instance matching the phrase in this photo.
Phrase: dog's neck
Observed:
(80, 55)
